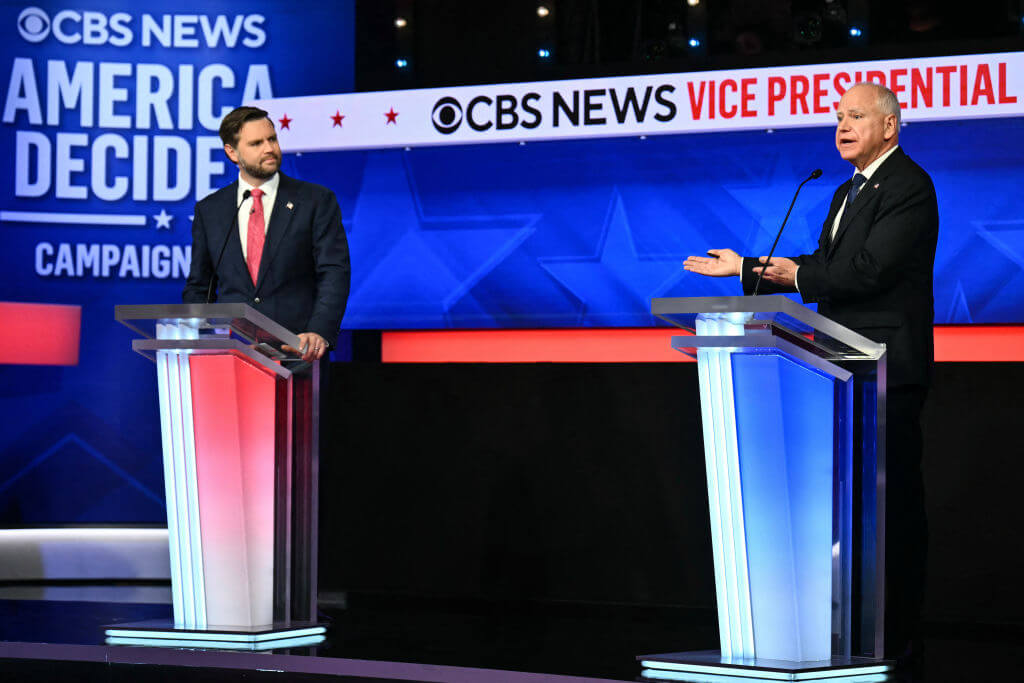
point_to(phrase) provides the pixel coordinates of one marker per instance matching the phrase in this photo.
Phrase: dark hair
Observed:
(231, 126)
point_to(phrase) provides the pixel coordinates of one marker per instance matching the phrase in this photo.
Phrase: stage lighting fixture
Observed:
(400, 22)
(401, 63)
(694, 42)
(692, 3)
(542, 11)
(855, 32)
(543, 54)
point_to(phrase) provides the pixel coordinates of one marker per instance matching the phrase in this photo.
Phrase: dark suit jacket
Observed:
(304, 273)
(876, 276)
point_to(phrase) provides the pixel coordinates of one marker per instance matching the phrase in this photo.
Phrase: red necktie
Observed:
(255, 236)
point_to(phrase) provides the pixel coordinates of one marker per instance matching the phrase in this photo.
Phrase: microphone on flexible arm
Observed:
(220, 256)
(816, 173)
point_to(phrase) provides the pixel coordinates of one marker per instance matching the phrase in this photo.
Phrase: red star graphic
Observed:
(285, 122)
(337, 117)
(392, 117)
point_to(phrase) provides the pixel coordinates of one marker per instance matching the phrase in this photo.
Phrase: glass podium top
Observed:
(773, 315)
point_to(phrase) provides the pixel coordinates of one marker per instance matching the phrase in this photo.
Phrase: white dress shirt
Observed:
(269, 188)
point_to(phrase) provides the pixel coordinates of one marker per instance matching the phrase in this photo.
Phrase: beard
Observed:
(259, 171)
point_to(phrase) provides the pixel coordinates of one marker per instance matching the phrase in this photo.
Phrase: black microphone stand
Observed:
(816, 173)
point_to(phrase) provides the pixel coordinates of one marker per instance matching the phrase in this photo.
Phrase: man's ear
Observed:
(232, 154)
(891, 127)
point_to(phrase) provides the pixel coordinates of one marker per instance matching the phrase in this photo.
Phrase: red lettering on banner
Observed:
(921, 86)
(896, 86)
(747, 97)
(820, 93)
(963, 85)
(727, 111)
(1003, 97)
(945, 72)
(840, 87)
(801, 86)
(776, 91)
(696, 100)
(711, 98)
(875, 77)
(983, 86)
(857, 77)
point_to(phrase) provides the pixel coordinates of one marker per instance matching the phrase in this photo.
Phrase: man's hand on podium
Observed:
(721, 263)
(312, 346)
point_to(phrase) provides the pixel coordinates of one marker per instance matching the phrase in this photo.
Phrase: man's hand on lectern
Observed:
(312, 346)
(721, 263)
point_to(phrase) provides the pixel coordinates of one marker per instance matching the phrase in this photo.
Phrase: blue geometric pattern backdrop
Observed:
(585, 232)
(109, 118)
(572, 233)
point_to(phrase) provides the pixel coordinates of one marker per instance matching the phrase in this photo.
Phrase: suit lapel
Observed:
(280, 223)
(837, 201)
(864, 197)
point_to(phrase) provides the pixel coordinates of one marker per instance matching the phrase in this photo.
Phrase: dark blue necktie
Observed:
(855, 185)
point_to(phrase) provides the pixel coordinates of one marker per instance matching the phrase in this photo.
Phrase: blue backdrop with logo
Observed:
(110, 115)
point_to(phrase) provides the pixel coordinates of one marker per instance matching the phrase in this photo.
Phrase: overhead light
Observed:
(855, 32)
(694, 42)
(543, 54)
(400, 22)
(542, 11)
(401, 63)
(692, 3)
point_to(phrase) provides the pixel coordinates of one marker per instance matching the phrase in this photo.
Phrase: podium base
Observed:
(709, 666)
(163, 633)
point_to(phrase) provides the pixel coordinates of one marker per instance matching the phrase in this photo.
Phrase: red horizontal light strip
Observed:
(532, 346)
(979, 343)
(39, 334)
(954, 343)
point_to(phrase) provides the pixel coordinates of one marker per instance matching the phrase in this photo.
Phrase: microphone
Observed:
(224, 244)
(816, 173)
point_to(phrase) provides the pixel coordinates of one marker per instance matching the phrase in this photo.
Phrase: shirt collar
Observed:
(268, 187)
(872, 167)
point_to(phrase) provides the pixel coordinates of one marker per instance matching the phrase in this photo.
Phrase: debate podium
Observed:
(238, 421)
(793, 413)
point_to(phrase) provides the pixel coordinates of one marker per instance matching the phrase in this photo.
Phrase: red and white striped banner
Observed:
(938, 88)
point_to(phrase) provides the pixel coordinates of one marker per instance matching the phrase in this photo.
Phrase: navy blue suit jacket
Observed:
(876, 276)
(304, 275)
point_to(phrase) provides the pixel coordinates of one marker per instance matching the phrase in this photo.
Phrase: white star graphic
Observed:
(163, 220)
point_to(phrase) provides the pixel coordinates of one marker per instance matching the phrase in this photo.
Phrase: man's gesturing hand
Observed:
(721, 263)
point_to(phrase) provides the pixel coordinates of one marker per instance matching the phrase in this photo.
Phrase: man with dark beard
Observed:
(286, 254)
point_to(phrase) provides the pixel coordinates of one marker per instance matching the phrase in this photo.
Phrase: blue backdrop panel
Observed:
(82, 136)
(586, 232)
(558, 234)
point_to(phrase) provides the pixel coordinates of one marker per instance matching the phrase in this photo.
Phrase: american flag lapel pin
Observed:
(876, 187)
(292, 206)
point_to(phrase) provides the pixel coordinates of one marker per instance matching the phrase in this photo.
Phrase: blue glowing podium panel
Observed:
(789, 401)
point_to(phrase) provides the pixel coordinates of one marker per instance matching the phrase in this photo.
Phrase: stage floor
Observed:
(375, 638)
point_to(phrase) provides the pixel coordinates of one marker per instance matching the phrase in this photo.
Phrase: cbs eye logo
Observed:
(447, 115)
(33, 24)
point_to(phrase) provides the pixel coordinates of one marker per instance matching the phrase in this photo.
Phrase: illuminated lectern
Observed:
(238, 420)
(793, 408)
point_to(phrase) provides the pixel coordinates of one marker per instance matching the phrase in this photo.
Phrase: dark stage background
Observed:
(585, 483)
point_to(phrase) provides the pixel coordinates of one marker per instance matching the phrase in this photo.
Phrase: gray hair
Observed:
(886, 102)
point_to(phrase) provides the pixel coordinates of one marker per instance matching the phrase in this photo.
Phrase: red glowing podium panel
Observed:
(238, 426)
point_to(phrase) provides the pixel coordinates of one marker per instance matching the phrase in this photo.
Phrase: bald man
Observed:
(872, 272)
